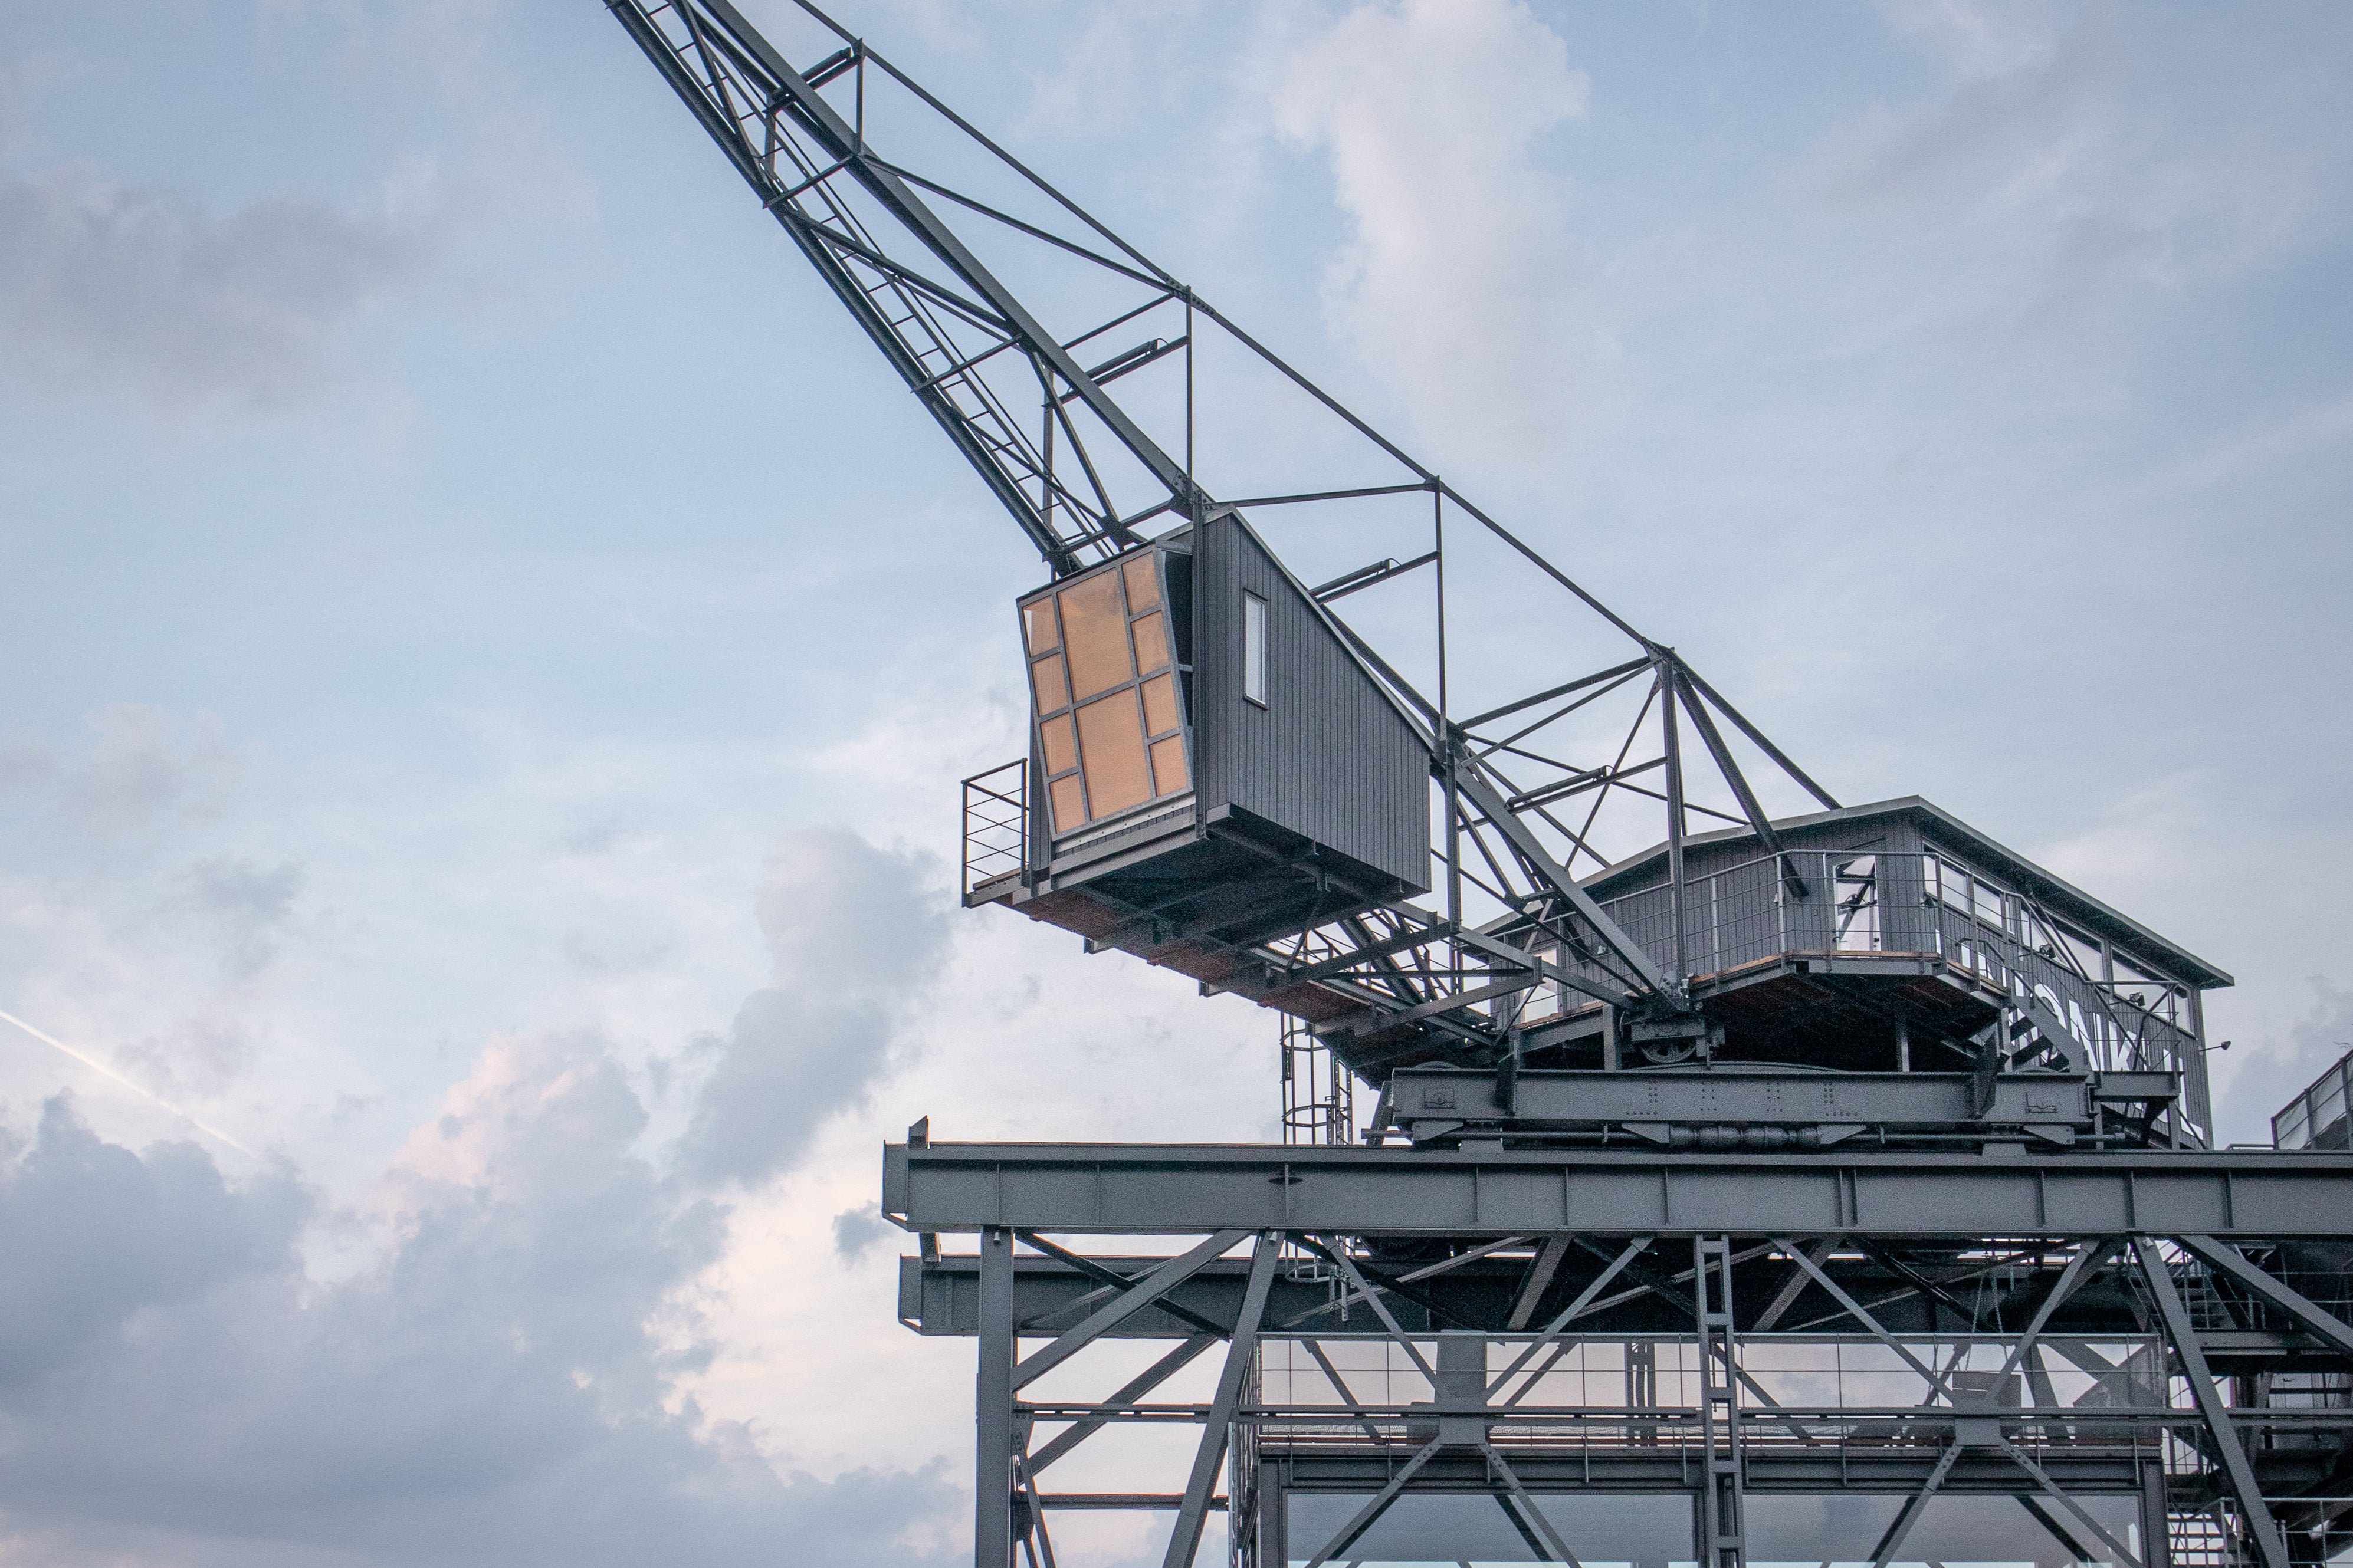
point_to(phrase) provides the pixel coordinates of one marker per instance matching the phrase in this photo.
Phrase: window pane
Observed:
(1159, 705)
(1436, 1530)
(1037, 624)
(1254, 648)
(1094, 629)
(1855, 900)
(1151, 644)
(1142, 584)
(1046, 680)
(1061, 748)
(2327, 1103)
(1168, 765)
(1111, 739)
(1069, 806)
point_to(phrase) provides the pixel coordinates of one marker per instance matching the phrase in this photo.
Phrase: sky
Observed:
(493, 650)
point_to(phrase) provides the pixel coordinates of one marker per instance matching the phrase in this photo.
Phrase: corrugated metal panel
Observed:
(1328, 757)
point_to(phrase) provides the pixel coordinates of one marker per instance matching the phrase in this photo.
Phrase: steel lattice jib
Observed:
(1211, 767)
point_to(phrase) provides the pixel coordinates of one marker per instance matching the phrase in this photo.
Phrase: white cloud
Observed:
(500, 1387)
(854, 942)
(1462, 287)
(2306, 430)
(145, 292)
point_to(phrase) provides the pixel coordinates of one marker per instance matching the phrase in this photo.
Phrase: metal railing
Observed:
(1318, 1094)
(996, 824)
(1867, 901)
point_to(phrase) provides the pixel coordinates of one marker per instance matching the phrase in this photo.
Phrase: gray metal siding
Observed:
(1328, 757)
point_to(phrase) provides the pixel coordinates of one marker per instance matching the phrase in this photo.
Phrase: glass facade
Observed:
(2006, 1530)
(1605, 1529)
(1102, 682)
(2316, 1118)
(1783, 1529)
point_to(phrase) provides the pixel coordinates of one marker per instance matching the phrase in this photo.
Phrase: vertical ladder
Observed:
(1719, 1404)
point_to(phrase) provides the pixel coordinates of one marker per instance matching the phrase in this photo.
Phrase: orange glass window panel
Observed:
(1151, 633)
(1061, 746)
(1168, 764)
(1160, 705)
(1045, 679)
(1142, 584)
(1110, 739)
(1037, 624)
(1094, 631)
(1069, 806)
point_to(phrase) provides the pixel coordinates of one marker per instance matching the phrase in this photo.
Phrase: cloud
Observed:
(246, 906)
(2263, 1073)
(2306, 430)
(856, 1231)
(499, 1387)
(1461, 287)
(2019, 127)
(853, 941)
(143, 775)
(113, 289)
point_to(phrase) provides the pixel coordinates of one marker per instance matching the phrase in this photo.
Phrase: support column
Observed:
(1242, 1362)
(1719, 1414)
(2156, 1529)
(1669, 688)
(2254, 1516)
(992, 1471)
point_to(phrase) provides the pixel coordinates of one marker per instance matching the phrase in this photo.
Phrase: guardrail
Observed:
(996, 824)
(1863, 901)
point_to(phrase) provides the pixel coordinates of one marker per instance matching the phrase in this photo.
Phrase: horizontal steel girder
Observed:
(1192, 1189)
(1845, 1101)
(941, 1297)
(1670, 1471)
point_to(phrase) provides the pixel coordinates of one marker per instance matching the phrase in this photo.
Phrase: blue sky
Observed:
(468, 590)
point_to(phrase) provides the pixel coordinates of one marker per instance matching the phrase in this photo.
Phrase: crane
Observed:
(1551, 925)
(1077, 397)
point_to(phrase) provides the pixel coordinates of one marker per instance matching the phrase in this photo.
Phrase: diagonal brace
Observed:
(1124, 1306)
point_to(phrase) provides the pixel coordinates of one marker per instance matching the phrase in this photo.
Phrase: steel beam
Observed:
(2238, 1473)
(1172, 1189)
(2308, 1315)
(1135, 1298)
(993, 1406)
(1241, 1360)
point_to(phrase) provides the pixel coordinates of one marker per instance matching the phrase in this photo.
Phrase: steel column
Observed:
(2254, 1515)
(1241, 1357)
(993, 1406)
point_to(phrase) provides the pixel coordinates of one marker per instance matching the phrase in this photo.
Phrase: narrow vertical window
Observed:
(1254, 648)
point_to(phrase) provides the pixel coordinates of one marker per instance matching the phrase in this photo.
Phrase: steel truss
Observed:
(2058, 1332)
(991, 294)
(2062, 1330)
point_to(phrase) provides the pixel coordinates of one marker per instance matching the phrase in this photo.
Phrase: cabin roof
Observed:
(2061, 897)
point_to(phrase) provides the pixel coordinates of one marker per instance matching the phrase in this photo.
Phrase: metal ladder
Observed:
(1719, 1404)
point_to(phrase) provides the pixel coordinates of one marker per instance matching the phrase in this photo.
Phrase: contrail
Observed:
(145, 1093)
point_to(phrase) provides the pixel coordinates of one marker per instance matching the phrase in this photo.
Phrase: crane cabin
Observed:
(1211, 765)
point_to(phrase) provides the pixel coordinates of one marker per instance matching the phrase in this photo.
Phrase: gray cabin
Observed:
(1212, 766)
(1891, 938)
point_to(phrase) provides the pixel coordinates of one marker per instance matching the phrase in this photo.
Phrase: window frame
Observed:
(1254, 648)
(1080, 775)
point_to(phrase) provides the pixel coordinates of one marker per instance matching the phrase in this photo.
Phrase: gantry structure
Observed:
(1680, 1166)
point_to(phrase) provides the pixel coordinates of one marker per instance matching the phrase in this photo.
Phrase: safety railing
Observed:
(995, 825)
(1865, 902)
